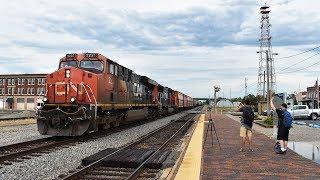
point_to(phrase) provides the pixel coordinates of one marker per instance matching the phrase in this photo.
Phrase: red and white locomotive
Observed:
(90, 92)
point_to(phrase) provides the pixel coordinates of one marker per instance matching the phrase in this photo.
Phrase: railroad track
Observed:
(141, 159)
(29, 149)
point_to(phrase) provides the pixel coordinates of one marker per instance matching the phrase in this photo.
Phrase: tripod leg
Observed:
(211, 134)
(216, 135)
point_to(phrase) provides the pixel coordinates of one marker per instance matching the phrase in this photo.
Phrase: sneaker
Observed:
(241, 150)
(251, 150)
(281, 152)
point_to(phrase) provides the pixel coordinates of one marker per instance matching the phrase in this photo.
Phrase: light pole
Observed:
(216, 89)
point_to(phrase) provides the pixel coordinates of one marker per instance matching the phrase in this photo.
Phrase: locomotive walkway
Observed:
(229, 163)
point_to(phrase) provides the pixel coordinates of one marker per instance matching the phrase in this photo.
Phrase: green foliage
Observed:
(269, 121)
(253, 100)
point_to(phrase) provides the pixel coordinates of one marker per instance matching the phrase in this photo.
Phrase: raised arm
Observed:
(271, 104)
(239, 107)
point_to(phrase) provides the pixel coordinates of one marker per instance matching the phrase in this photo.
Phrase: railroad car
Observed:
(89, 92)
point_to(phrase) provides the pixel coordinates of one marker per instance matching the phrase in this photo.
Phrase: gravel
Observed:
(299, 133)
(49, 166)
(19, 133)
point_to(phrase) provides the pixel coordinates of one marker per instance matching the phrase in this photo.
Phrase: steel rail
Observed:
(87, 168)
(139, 169)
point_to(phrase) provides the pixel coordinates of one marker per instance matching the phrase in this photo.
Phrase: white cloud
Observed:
(187, 45)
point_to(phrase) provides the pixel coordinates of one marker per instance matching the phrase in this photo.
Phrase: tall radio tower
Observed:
(266, 72)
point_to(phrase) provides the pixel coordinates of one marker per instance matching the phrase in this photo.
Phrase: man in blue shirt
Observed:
(283, 131)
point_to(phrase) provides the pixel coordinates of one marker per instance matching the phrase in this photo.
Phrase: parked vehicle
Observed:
(303, 111)
(265, 112)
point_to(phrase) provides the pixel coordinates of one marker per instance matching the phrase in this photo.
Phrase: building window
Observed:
(31, 81)
(9, 91)
(13, 81)
(13, 90)
(41, 81)
(21, 81)
(40, 90)
(20, 91)
(9, 82)
(1, 91)
(2, 81)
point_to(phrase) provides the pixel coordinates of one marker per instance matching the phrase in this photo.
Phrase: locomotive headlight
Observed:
(73, 99)
(45, 100)
(68, 73)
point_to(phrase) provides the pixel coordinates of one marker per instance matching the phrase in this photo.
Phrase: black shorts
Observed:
(283, 133)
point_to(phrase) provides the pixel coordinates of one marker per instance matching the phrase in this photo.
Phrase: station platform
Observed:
(207, 161)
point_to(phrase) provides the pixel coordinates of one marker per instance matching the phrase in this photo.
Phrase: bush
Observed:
(269, 121)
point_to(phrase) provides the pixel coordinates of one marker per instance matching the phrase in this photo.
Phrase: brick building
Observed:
(21, 91)
(312, 96)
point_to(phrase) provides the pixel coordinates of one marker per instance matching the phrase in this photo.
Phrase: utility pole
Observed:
(216, 89)
(230, 93)
(245, 87)
(264, 85)
(317, 93)
(268, 85)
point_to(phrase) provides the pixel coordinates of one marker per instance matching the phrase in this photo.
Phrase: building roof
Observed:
(22, 75)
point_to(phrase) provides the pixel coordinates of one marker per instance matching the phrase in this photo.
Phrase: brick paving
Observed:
(262, 163)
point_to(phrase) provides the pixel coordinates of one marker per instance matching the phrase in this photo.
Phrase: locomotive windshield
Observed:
(94, 66)
(64, 64)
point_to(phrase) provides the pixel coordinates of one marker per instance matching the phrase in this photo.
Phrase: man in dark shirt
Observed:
(283, 131)
(246, 124)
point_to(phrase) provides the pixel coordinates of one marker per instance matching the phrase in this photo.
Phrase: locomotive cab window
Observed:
(64, 64)
(116, 70)
(93, 66)
(111, 69)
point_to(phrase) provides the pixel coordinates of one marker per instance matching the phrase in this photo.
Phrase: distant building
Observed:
(312, 97)
(301, 97)
(21, 91)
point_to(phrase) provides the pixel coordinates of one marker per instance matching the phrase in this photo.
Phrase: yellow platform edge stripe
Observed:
(191, 164)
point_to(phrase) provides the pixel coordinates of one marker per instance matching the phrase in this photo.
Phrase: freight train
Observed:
(90, 92)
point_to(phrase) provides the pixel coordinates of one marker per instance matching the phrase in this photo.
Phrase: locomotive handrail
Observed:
(84, 87)
(95, 100)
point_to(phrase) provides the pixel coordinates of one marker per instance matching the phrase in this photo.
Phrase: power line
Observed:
(299, 53)
(318, 62)
(298, 62)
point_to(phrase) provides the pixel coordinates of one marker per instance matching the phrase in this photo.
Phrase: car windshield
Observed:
(94, 66)
(64, 64)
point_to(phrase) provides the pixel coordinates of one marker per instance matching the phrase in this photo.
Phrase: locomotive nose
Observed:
(65, 85)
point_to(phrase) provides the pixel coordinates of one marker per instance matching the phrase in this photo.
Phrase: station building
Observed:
(21, 91)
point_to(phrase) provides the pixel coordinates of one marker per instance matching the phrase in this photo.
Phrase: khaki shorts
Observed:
(245, 132)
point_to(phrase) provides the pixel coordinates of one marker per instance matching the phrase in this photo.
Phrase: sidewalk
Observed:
(263, 163)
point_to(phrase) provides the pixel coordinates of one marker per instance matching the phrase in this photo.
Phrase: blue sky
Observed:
(187, 45)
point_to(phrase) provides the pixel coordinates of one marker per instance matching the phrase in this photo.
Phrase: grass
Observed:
(268, 120)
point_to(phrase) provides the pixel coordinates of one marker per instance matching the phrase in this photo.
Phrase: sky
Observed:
(188, 45)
